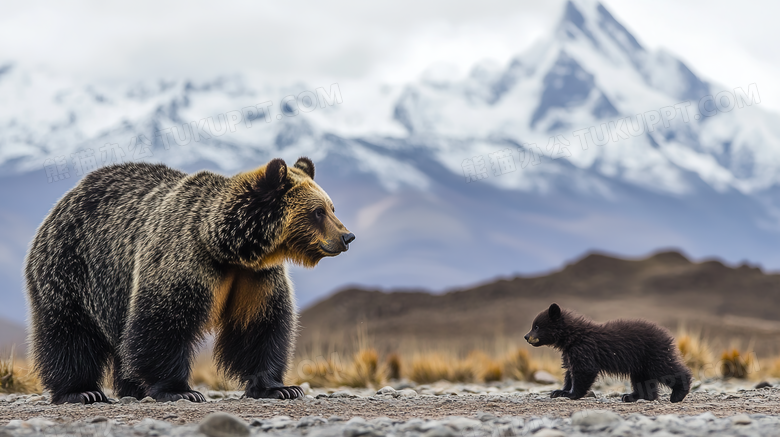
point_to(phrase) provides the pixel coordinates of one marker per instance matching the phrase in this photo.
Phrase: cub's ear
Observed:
(275, 173)
(554, 312)
(305, 164)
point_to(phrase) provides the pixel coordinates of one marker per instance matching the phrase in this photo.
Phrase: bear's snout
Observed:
(346, 239)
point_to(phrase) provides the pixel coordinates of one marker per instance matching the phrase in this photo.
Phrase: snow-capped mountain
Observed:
(586, 141)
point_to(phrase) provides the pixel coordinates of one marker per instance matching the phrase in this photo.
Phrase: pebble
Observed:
(37, 398)
(440, 431)
(542, 377)
(595, 418)
(387, 390)
(128, 400)
(547, 432)
(741, 419)
(223, 425)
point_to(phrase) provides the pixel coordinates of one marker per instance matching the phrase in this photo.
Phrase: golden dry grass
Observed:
(424, 365)
(734, 364)
(771, 368)
(696, 353)
(394, 366)
(519, 365)
(363, 371)
(17, 376)
(432, 367)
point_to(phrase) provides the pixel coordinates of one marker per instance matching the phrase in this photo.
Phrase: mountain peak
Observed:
(592, 21)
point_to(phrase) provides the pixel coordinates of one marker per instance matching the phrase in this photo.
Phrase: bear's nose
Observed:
(347, 238)
(526, 337)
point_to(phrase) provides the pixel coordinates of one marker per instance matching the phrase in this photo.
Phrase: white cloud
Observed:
(382, 41)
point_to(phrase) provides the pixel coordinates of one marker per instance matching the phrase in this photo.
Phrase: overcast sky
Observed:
(732, 43)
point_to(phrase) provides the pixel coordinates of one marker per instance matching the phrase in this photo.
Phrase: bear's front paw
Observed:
(87, 397)
(287, 392)
(559, 394)
(173, 396)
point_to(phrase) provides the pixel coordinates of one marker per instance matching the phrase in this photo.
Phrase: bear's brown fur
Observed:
(138, 262)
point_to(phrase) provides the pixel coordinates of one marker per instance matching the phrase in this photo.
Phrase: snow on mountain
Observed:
(592, 71)
(587, 140)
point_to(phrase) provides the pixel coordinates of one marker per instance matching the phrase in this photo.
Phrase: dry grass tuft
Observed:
(428, 368)
(319, 372)
(696, 352)
(485, 369)
(364, 371)
(17, 377)
(394, 366)
(734, 365)
(518, 365)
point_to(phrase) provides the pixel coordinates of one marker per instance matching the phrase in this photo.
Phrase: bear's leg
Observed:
(582, 380)
(124, 386)
(257, 350)
(644, 388)
(70, 351)
(680, 384)
(165, 323)
(566, 386)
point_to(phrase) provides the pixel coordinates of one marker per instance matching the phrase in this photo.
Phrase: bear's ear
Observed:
(275, 172)
(554, 312)
(305, 164)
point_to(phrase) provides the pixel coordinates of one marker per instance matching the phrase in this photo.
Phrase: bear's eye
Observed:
(536, 327)
(319, 213)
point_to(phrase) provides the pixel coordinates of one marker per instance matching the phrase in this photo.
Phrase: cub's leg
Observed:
(680, 384)
(566, 386)
(255, 338)
(166, 321)
(644, 388)
(69, 349)
(582, 380)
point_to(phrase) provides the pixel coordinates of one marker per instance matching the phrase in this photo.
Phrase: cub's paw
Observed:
(85, 397)
(559, 394)
(288, 392)
(630, 397)
(173, 396)
(678, 396)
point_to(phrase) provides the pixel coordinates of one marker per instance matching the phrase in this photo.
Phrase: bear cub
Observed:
(640, 350)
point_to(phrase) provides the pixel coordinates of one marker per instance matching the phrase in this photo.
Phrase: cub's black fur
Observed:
(138, 262)
(641, 350)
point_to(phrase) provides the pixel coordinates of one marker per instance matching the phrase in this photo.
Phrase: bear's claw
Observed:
(559, 393)
(86, 397)
(286, 392)
(190, 395)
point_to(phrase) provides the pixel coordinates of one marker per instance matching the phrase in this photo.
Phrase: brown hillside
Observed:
(735, 306)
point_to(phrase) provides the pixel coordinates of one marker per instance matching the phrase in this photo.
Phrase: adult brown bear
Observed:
(138, 262)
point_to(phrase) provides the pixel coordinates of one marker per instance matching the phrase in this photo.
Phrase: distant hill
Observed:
(735, 305)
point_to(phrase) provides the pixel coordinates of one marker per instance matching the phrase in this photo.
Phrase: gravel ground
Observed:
(438, 410)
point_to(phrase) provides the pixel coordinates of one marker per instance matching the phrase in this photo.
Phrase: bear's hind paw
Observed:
(559, 394)
(190, 395)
